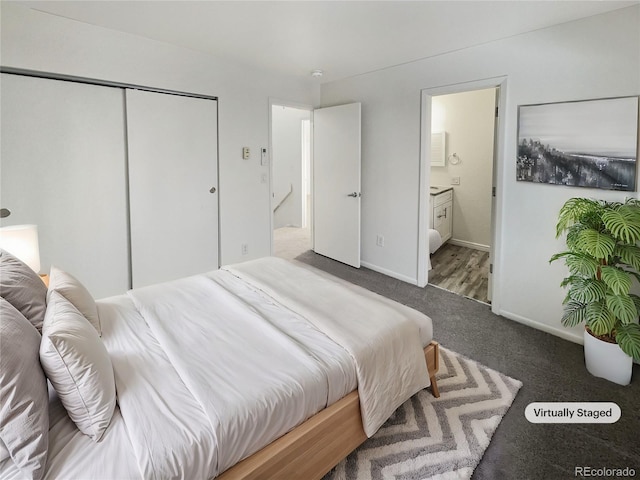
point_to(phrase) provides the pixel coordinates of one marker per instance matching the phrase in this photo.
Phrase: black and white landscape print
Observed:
(582, 144)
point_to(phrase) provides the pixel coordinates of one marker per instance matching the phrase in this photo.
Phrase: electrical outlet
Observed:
(455, 180)
(245, 249)
(380, 240)
(246, 153)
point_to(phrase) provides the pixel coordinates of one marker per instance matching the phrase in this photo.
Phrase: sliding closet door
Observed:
(63, 169)
(173, 177)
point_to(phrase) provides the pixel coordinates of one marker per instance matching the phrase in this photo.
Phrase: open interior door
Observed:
(336, 183)
(494, 182)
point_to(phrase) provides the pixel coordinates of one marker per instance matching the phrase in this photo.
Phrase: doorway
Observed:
(459, 159)
(290, 179)
(462, 128)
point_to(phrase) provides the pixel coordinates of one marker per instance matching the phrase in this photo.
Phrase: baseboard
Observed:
(558, 332)
(389, 273)
(464, 243)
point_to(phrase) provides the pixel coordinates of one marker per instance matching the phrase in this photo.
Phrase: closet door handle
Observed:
(354, 195)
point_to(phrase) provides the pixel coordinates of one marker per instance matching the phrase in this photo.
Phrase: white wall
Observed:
(286, 155)
(591, 58)
(39, 41)
(468, 119)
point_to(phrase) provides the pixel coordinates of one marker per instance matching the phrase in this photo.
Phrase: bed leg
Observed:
(432, 356)
(434, 387)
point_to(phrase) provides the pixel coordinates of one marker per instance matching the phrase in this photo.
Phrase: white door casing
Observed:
(173, 177)
(500, 83)
(337, 182)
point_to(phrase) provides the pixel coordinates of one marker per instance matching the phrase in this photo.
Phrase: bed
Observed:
(266, 369)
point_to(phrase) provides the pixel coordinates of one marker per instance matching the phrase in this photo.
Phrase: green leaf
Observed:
(586, 290)
(582, 265)
(578, 263)
(616, 279)
(628, 254)
(622, 307)
(594, 243)
(558, 256)
(599, 318)
(573, 234)
(623, 223)
(574, 314)
(628, 338)
(572, 211)
(568, 281)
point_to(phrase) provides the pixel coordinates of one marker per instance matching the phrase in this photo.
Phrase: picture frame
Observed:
(585, 143)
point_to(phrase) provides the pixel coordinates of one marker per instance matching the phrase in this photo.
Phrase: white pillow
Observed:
(71, 289)
(78, 366)
(24, 402)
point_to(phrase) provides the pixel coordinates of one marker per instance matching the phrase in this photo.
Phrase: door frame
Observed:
(426, 96)
(301, 106)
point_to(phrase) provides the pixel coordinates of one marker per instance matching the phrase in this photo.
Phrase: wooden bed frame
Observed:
(313, 448)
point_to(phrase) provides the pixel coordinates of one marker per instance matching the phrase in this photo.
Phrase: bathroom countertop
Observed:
(438, 189)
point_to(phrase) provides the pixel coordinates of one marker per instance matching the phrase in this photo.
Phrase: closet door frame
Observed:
(103, 83)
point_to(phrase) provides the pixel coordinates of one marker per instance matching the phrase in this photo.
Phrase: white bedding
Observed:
(73, 455)
(253, 382)
(384, 344)
(206, 375)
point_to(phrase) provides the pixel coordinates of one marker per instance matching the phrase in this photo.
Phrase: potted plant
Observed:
(603, 258)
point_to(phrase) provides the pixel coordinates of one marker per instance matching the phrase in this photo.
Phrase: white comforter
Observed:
(384, 343)
(249, 382)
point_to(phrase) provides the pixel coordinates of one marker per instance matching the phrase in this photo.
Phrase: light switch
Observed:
(246, 153)
(455, 180)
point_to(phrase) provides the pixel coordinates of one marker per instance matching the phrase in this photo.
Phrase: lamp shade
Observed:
(22, 242)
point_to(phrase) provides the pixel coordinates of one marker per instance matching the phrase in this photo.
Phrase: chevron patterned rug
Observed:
(436, 438)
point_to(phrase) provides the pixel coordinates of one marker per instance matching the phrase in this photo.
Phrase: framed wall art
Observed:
(591, 143)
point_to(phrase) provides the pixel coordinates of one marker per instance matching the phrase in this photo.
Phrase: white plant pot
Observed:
(607, 360)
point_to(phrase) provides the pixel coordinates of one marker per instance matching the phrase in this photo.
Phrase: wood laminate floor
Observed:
(461, 270)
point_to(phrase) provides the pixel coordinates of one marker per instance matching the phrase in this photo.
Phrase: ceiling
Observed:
(342, 38)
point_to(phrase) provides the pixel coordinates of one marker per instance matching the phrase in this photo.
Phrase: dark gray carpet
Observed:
(550, 368)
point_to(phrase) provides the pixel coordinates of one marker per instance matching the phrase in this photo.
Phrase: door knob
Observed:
(4, 212)
(354, 195)
(212, 190)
